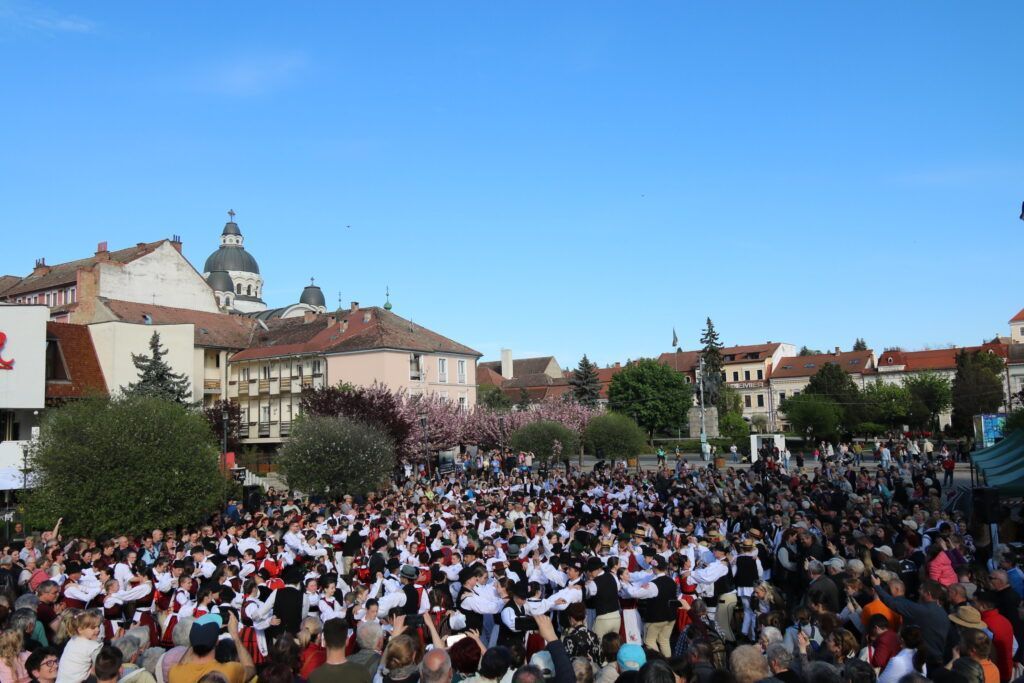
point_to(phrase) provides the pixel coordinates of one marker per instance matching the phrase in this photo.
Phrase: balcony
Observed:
(264, 386)
(286, 428)
(243, 388)
(243, 431)
(211, 386)
(264, 430)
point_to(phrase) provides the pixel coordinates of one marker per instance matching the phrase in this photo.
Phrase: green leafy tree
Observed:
(813, 415)
(977, 388)
(887, 404)
(729, 401)
(712, 356)
(615, 436)
(860, 344)
(337, 455)
(654, 395)
(128, 464)
(930, 395)
(493, 398)
(760, 423)
(804, 351)
(734, 428)
(1014, 421)
(831, 381)
(586, 386)
(156, 378)
(546, 439)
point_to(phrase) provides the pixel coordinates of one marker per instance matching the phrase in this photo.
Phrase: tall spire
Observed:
(387, 298)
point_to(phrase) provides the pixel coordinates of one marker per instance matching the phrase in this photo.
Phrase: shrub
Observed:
(546, 439)
(615, 436)
(337, 455)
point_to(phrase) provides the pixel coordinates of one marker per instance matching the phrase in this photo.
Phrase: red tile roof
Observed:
(806, 366)
(934, 359)
(85, 377)
(365, 329)
(1019, 317)
(740, 353)
(67, 273)
(212, 330)
(8, 281)
(682, 361)
(521, 366)
(484, 375)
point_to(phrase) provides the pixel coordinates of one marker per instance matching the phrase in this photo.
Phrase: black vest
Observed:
(474, 620)
(412, 600)
(659, 609)
(288, 608)
(746, 572)
(506, 636)
(607, 598)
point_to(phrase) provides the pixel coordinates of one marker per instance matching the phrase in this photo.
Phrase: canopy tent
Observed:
(1010, 444)
(1003, 465)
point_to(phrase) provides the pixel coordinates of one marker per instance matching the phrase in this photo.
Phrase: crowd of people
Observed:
(769, 574)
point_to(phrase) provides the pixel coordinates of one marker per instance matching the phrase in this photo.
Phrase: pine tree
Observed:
(156, 378)
(524, 399)
(712, 356)
(860, 344)
(586, 387)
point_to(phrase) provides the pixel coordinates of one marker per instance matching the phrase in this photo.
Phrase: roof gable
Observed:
(80, 373)
(805, 366)
(219, 330)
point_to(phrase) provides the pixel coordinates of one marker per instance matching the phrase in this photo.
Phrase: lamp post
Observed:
(224, 417)
(703, 433)
(424, 443)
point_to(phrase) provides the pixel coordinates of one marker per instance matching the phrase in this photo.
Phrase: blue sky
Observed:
(556, 178)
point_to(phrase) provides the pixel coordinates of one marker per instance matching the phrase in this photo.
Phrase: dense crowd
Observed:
(844, 572)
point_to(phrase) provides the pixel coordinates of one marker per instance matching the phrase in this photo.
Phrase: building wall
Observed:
(116, 341)
(392, 368)
(161, 277)
(1017, 332)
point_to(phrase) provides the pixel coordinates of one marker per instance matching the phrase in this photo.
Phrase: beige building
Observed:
(747, 370)
(359, 346)
(793, 373)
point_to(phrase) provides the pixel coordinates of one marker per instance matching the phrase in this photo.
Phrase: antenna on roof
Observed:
(231, 215)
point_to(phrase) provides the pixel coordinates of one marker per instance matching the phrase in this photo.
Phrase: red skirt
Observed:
(250, 640)
(168, 638)
(146, 619)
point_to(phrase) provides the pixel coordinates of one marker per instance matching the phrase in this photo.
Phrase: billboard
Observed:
(988, 429)
(23, 356)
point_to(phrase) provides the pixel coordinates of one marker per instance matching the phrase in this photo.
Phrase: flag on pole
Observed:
(675, 338)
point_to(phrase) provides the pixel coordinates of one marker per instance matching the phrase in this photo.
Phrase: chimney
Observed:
(838, 351)
(176, 242)
(40, 268)
(506, 363)
(309, 316)
(101, 252)
(617, 364)
(354, 307)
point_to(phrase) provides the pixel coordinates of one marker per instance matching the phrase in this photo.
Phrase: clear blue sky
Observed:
(553, 177)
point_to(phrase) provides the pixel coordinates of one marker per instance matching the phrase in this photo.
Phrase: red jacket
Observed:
(885, 648)
(1002, 642)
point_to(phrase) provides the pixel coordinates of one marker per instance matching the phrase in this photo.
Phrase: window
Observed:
(760, 400)
(462, 371)
(47, 298)
(415, 366)
(760, 374)
(56, 371)
(265, 372)
(782, 396)
(244, 374)
(462, 404)
(74, 294)
(316, 367)
(238, 289)
(216, 360)
(746, 375)
(1022, 331)
(746, 401)
(264, 414)
(687, 378)
(442, 369)
(443, 394)
(735, 376)
(248, 290)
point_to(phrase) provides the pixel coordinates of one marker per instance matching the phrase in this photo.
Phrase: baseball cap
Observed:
(205, 631)
(631, 657)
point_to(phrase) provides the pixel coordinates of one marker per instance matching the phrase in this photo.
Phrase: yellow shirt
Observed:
(193, 671)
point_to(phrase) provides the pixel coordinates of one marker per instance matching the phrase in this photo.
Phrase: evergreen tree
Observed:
(860, 344)
(804, 351)
(156, 378)
(586, 387)
(712, 356)
(524, 399)
(832, 382)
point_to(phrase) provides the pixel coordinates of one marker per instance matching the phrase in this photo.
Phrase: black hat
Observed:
(594, 563)
(648, 551)
(72, 568)
(520, 589)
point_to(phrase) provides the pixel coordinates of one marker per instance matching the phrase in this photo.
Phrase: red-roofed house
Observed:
(541, 378)
(1017, 328)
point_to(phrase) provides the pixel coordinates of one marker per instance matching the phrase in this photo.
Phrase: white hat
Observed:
(910, 524)
(884, 549)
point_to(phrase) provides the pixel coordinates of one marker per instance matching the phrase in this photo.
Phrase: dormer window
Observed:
(889, 360)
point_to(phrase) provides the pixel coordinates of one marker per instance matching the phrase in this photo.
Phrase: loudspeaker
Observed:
(986, 504)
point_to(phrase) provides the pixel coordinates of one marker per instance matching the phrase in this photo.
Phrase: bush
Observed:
(871, 429)
(615, 436)
(337, 455)
(129, 464)
(734, 429)
(546, 439)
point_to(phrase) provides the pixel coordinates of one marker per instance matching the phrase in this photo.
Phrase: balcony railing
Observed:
(264, 430)
(286, 428)
(211, 386)
(243, 389)
(243, 431)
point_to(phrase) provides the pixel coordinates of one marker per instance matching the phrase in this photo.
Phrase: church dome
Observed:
(232, 258)
(313, 296)
(231, 228)
(220, 281)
